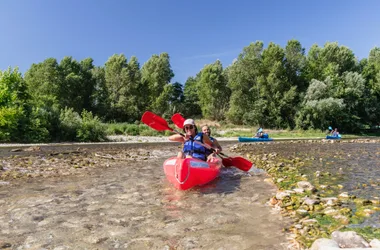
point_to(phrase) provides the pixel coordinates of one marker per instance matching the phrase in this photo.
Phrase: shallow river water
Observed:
(130, 205)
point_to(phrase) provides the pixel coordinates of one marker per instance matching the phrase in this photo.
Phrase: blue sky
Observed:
(193, 32)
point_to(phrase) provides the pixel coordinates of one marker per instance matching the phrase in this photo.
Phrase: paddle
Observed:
(239, 162)
(158, 123)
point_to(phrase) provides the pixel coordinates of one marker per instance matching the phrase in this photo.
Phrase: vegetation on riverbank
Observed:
(224, 130)
(274, 87)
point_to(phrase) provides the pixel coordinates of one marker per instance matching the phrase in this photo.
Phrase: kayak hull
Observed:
(333, 137)
(190, 172)
(253, 139)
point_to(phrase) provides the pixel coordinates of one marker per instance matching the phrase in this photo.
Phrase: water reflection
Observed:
(228, 182)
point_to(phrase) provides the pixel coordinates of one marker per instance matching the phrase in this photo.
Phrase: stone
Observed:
(324, 243)
(299, 190)
(344, 195)
(273, 201)
(375, 243)
(302, 211)
(309, 221)
(349, 239)
(305, 185)
(95, 239)
(309, 201)
(330, 211)
(281, 195)
(330, 201)
(4, 244)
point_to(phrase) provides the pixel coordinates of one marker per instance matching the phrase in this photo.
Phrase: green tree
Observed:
(332, 60)
(319, 109)
(213, 92)
(295, 62)
(43, 83)
(371, 73)
(156, 74)
(13, 105)
(168, 102)
(191, 100)
(77, 85)
(176, 99)
(100, 101)
(243, 77)
(263, 79)
(127, 93)
(137, 101)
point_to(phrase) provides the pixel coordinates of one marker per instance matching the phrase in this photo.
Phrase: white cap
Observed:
(189, 122)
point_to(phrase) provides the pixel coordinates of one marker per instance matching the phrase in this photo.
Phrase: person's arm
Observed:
(217, 145)
(177, 138)
(207, 141)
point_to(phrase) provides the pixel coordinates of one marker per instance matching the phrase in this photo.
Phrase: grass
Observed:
(223, 130)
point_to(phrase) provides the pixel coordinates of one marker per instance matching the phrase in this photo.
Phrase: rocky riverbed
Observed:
(110, 196)
(330, 188)
(115, 196)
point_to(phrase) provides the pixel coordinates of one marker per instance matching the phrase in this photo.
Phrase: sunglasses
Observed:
(189, 127)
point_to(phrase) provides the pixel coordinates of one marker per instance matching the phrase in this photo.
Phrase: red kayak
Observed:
(189, 172)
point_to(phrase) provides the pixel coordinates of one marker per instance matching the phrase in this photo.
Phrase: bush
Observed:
(70, 122)
(116, 128)
(36, 132)
(132, 129)
(9, 120)
(91, 128)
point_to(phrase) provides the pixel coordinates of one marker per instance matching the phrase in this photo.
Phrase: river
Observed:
(128, 204)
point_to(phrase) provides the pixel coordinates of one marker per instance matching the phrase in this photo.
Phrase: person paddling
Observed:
(206, 130)
(259, 133)
(335, 132)
(190, 147)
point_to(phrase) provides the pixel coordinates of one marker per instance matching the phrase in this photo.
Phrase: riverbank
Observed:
(121, 139)
(325, 187)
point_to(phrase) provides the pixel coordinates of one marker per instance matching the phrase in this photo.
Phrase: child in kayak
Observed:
(206, 130)
(190, 146)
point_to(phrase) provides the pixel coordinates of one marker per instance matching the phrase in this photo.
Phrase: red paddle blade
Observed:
(227, 162)
(178, 120)
(239, 162)
(154, 121)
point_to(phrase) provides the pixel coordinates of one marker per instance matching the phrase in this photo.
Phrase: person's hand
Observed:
(217, 150)
(187, 137)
